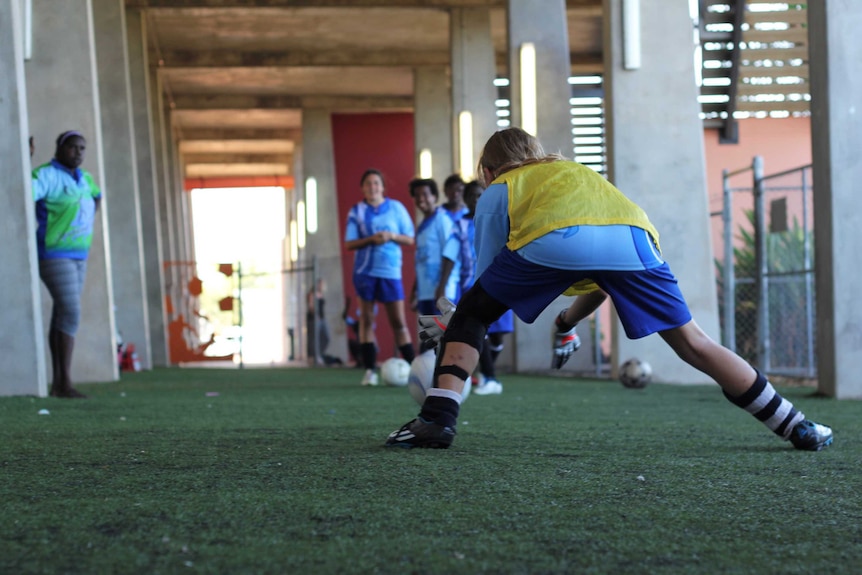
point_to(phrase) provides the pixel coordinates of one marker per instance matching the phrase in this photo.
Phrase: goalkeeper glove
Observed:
(566, 342)
(431, 327)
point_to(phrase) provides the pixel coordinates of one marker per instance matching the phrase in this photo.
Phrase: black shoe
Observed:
(421, 433)
(810, 436)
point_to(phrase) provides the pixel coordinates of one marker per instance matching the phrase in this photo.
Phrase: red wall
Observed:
(384, 142)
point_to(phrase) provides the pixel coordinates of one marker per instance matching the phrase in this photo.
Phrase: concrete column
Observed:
(160, 130)
(542, 23)
(63, 95)
(148, 188)
(835, 49)
(182, 225)
(473, 73)
(182, 219)
(188, 213)
(174, 193)
(121, 175)
(294, 301)
(656, 157)
(22, 338)
(432, 111)
(164, 185)
(172, 196)
(185, 269)
(318, 162)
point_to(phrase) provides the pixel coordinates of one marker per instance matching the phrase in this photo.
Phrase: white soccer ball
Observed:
(395, 371)
(422, 377)
(635, 373)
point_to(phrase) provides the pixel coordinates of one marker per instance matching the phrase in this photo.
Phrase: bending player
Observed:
(546, 226)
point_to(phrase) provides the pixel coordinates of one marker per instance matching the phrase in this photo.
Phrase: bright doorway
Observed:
(244, 227)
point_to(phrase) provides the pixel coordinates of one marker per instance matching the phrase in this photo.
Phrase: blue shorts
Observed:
(647, 301)
(427, 307)
(506, 324)
(384, 290)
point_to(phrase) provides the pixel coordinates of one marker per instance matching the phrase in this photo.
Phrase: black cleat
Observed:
(421, 433)
(810, 436)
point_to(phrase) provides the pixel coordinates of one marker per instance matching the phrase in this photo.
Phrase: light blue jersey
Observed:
(458, 214)
(466, 232)
(363, 220)
(436, 239)
(611, 247)
(465, 229)
(492, 225)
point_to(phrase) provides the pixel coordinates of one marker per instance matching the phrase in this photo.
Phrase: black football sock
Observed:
(495, 351)
(407, 352)
(486, 361)
(763, 402)
(441, 410)
(369, 355)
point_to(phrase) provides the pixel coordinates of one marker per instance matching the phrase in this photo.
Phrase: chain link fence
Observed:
(765, 268)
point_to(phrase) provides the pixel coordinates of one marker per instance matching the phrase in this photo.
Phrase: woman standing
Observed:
(377, 228)
(67, 200)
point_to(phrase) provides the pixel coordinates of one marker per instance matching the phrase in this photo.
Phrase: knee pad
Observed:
(476, 311)
(464, 328)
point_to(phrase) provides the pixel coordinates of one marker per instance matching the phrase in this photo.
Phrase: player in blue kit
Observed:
(453, 189)
(438, 266)
(493, 343)
(547, 226)
(377, 228)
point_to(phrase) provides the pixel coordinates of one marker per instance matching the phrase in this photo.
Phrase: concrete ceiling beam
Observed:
(297, 58)
(220, 134)
(280, 102)
(228, 170)
(216, 158)
(443, 4)
(581, 62)
(237, 146)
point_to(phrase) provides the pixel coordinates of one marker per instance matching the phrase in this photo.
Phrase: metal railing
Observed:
(766, 279)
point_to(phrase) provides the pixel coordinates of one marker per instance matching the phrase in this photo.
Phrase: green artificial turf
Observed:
(283, 471)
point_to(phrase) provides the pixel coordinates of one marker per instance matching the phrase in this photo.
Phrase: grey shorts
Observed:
(64, 279)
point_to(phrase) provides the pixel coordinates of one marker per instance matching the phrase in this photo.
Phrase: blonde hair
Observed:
(509, 149)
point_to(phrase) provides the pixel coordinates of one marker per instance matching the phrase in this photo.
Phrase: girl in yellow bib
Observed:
(547, 226)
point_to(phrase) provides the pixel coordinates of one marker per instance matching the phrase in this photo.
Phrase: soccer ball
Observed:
(421, 377)
(395, 371)
(635, 373)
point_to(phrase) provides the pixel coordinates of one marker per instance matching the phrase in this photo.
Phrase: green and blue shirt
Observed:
(65, 211)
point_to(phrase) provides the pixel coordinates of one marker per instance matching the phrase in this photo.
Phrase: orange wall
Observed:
(784, 144)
